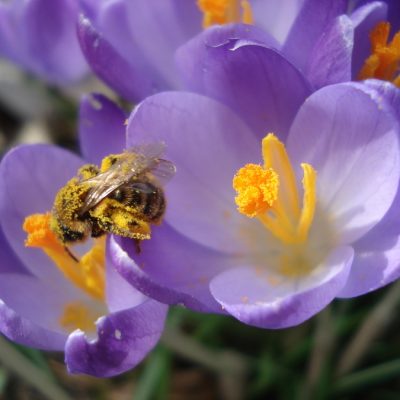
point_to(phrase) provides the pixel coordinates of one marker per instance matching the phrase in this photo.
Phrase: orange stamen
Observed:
(384, 61)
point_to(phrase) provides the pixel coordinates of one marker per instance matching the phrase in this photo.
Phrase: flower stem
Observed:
(376, 322)
(324, 340)
(231, 367)
(367, 377)
(16, 363)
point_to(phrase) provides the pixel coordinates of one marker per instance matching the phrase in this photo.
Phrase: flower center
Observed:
(87, 273)
(77, 315)
(384, 61)
(225, 11)
(270, 194)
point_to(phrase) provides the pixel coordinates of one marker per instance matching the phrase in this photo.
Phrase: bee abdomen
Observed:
(155, 205)
(148, 199)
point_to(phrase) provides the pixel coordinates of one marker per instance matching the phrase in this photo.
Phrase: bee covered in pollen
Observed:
(124, 196)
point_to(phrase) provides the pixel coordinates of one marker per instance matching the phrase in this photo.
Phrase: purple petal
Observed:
(387, 92)
(42, 303)
(49, 49)
(208, 143)
(394, 14)
(311, 22)
(30, 176)
(114, 25)
(377, 256)
(10, 263)
(350, 136)
(256, 298)
(124, 339)
(109, 65)
(276, 16)
(90, 7)
(255, 81)
(101, 128)
(364, 20)
(330, 60)
(28, 333)
(159, 28)
(120, 294)
(170, 268)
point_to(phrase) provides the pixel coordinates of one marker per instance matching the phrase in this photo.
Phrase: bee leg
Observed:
(72, 255)
(137, 243)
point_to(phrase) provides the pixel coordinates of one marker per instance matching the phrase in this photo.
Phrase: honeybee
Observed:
(124, 196)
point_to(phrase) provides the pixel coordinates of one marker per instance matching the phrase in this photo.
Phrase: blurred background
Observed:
(349, 351)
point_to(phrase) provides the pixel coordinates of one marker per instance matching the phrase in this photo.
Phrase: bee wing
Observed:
(103, 184)
(164, 170)
(133, 162)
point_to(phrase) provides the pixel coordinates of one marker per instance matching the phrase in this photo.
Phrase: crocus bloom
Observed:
(138, 39)
(325, 40)
(40, 36)
(270, 229)
(50, 300)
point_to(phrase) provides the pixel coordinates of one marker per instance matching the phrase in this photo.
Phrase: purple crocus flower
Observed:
(131, 45)
(40, 36)
(314, 216)
(41, 305)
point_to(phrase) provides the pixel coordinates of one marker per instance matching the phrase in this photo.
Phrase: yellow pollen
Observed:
(77, 316)
(257, 189)
(219, 12)
(270, 193)
(384, 61)
(86, 273)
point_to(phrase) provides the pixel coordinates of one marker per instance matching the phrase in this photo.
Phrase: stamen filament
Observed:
(384, 61)
(225, 12)
(86, 273)
(270, 193)
(276, 228)
(309, 201)
(276, 157)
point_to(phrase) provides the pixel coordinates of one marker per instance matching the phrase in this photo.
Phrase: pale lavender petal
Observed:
(101, 128)
(159, 28)
(124, 339)
(386, 92)
(90, 7)
(276, 16)
(258, 298)
(330, 60)
(170, 268)
(312, 20)
(208, 143)
(28, 333)
(30, 177)
(49, 49)
(364, 20)
(254, 80)
(350, 135)
(109, 65)
(120, 295)
(393, 14)
(38, 301)
(112, 23)
(377, 256)
(10, 263)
